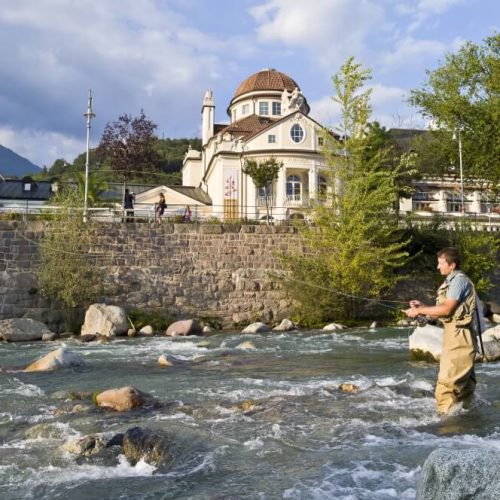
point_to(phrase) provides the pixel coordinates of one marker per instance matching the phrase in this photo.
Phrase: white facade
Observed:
(268, 118)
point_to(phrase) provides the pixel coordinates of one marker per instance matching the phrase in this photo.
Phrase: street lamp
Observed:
(456, 135)
(89, 115)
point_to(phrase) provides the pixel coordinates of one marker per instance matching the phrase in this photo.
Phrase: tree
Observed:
(66, 273)
(95, 187)
(355, 244)
(263, 174)
(128, 146)
(463, 94)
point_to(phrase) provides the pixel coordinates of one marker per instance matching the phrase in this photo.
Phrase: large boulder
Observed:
(256, 328)
(123, 399)
(491, 343)
(60, 358)
(154, 447)
(22, 330)
(108, 321)
(184, 327)
(456, 475)
(426, 342)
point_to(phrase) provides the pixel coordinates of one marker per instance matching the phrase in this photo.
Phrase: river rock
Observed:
(461, 474)
(492, 333)
(109, 321)
(86, 446)
(183, 327)
(256, 328)
(153, 447)
(495, 318)
(349, 388)
(333, 326)
(60, 358)
(285, 326)
(426, 342)
(123, 399)
(146, 330)
(247, 345)
(207, 329)
(49, 337)
(22, 330)
(165, 360)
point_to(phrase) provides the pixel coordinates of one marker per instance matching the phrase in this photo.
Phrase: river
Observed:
(296, 437)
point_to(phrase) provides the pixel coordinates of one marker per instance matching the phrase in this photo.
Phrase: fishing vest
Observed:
(464, 313)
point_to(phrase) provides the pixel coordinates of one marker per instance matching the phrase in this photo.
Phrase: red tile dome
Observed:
(266, 79)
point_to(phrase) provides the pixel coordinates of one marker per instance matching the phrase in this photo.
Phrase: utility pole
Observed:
(89, 115)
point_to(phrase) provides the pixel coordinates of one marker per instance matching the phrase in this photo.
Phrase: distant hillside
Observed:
(12, 164)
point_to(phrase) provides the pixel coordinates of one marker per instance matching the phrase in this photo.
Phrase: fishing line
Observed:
(349, 295)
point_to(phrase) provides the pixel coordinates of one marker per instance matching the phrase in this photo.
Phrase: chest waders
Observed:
(456, 380)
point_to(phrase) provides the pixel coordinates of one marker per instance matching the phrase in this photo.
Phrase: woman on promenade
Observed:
(160, 208)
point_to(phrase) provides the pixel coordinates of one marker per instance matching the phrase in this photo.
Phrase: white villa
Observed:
(269, 117)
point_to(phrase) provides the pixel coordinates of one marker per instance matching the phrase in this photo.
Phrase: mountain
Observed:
(13, 164)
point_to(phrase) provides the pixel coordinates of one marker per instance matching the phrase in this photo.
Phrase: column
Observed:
(442, 206)
(313, 183)
(281, 193)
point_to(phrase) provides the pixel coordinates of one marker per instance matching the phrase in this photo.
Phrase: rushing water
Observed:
(299, 437)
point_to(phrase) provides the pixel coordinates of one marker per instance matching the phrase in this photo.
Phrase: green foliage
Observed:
(159, 321)
(479, 254)
(464, 93)
(355, 242)
(263, 174)
(478, 250)
(95, 187)
(66, 273)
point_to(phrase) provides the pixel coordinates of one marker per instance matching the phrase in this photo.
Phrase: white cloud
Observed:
(389, 108)
(331, 29)
(411, 52)
(37, 146)
(325, 111)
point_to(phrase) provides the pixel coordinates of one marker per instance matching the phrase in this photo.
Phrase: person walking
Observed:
(456, 307)
(187, 214)
(160, 208)
(128, 205)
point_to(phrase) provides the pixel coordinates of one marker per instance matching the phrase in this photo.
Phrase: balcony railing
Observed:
(263, 201)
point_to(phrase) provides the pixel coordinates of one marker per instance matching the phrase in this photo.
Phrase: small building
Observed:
(24, 195)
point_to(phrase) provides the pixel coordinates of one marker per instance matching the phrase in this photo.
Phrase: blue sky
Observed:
(161, 56)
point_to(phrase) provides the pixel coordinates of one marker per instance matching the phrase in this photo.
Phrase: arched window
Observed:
(297, 133)
(293, 188)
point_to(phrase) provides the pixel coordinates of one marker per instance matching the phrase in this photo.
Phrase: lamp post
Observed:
(89, 115)
(457, 136)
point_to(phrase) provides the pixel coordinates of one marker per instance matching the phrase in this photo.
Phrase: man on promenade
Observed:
(456, 306)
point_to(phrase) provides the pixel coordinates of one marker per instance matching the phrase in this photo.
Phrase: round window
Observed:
(297, 133)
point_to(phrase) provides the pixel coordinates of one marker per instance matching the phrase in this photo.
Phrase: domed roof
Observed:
(266, 79)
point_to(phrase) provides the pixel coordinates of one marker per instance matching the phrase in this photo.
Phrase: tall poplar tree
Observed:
(354, 239)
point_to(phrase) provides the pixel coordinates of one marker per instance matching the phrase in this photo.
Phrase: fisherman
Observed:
(456, 307)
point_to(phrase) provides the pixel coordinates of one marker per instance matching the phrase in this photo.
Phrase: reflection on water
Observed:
(253, 416)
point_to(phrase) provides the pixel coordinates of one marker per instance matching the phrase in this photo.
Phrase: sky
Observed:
(161, 56)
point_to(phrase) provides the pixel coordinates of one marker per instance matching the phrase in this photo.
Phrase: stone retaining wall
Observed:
(217, 271)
